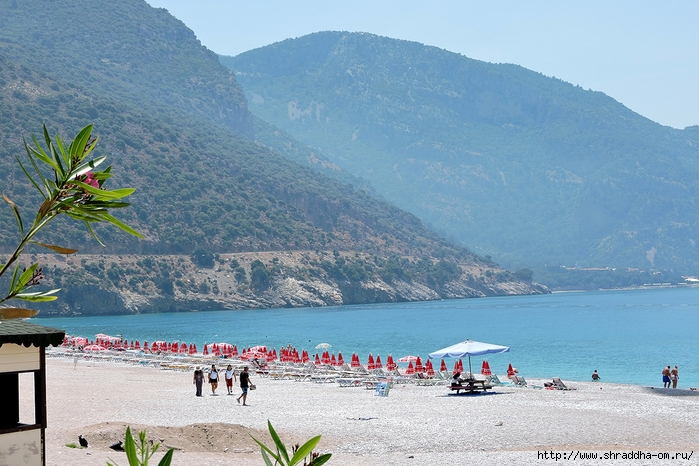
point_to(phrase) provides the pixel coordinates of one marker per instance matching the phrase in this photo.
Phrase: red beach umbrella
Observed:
(93, 348)
(234, 353)
(408, 359)
(333, 361)
(410, 370)
(461, 366)
(390, 363)
(326, 357)
(138, 345)
(456, 366)
(304, 356)
(378, 364)
(443, 366)
(184, 348)
(206, 350)
(485, 368)
(317, 361)
(510, 370)
(154, 347)
(418, 365)
(370, 363)
(340, 360)
(355, 361)
(145, 345)
(429, 370)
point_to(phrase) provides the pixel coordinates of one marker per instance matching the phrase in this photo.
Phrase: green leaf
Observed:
(39, 296)
(88, 166)
(305, 450)
(13, 280)
(278, 442)
(26, 173)
(130, 448)
(322, 459)
(265, 448)
(24, 278)
(76, 150)
(121, 225)
(39, 153)
(117, 193)
(265, 457)
(15, 209)
(167, 459)
(92, 232)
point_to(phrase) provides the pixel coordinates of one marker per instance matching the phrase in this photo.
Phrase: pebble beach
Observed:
(413, 425)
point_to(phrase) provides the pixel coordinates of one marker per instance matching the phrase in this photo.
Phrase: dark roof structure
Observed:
(26, 333)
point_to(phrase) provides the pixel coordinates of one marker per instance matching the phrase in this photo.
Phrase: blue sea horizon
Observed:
(628, 336)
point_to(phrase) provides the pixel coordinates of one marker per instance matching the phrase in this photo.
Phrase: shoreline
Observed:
(508, 425)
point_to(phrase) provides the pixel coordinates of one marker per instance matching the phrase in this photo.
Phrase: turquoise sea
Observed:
(628, 336)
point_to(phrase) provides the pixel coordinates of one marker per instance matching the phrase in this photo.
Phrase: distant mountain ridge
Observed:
(529, 169)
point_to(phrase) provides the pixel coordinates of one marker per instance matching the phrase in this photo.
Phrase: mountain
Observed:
(526, 168)
(175, 125)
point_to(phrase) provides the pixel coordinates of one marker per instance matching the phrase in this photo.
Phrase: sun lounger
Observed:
(518, 380)
(559, 385)
(349, 382)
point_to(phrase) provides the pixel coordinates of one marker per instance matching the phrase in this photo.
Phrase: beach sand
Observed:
(413, 425)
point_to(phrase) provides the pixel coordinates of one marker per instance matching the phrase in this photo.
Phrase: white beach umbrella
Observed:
(323, 346)
(468, 348)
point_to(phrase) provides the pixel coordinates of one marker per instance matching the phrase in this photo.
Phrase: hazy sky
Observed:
(644, 54)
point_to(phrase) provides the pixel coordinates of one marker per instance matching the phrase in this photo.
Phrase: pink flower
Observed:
(89, 179)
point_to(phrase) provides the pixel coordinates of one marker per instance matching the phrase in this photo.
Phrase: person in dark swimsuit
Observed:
(244, 384)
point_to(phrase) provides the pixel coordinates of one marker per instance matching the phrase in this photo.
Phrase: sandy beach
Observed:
(413, 425)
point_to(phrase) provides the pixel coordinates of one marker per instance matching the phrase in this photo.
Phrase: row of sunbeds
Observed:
(344, 376)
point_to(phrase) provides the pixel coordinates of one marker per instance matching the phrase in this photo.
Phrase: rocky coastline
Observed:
(132, 284)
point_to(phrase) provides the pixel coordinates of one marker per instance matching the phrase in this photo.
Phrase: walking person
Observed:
(244, 384)
(213, 379)
(198, 380)
(230, 377)
(674, 376)
(666, 377)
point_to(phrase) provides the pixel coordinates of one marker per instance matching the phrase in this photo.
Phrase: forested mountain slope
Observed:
(527, 168)
(175, 126)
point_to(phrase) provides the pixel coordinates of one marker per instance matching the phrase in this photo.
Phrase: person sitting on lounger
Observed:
(455, 381)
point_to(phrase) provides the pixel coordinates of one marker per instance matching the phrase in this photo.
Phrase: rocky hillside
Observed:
(127, 284)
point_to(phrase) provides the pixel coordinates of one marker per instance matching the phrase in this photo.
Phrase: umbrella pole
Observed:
(470, 371)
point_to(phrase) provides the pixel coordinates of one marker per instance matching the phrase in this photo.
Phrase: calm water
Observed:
(628, 336)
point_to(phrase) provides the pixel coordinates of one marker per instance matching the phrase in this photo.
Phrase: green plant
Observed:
(74, 189)
(139, 453)
(72, 445)
(299, 453)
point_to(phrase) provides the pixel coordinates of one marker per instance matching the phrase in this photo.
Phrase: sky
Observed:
(644, 54)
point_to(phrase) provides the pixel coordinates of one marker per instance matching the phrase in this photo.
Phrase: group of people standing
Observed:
(229, 376)
(670, 376)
